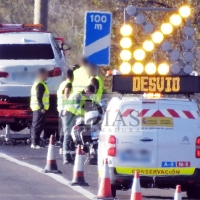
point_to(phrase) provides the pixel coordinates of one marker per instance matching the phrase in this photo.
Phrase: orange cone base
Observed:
(136, 196)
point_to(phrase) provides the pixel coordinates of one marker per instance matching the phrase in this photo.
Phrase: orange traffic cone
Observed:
(78, 175)
(105, 192)
(178, 195)
(51, 166)
(136, 190)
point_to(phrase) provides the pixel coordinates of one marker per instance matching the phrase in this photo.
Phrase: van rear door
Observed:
(137, 138)
(176, 139)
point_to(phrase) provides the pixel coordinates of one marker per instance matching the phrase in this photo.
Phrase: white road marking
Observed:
(56, 177)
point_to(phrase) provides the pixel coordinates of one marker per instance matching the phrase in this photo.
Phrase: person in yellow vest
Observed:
(39, 105)
(73, 109)
(64, 90)
(93, 73)
(81, 75)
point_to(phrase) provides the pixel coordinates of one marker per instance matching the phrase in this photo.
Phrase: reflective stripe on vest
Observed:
(61, 101)
(75, 107)
(45, 99)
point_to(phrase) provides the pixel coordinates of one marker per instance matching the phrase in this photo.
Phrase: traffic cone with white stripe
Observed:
(178, 195)
(51, 165)
(105, 192)
(136, 190)
(78, 174)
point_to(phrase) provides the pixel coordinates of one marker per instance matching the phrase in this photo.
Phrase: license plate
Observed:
(135, 156)
(94, 135)
(25, 76)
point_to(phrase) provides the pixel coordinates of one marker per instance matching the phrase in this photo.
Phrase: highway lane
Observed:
(18, 183)
(38, 158)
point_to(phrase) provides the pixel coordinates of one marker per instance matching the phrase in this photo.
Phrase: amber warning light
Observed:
(128, 84)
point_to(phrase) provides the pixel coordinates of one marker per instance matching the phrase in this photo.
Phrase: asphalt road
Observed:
(17, 183)
(22, 182)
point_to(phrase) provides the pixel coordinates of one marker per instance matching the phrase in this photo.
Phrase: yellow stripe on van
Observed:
(156, 171)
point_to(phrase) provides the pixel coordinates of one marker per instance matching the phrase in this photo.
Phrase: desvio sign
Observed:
(156, 84)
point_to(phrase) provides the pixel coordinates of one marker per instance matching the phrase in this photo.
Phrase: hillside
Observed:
(66, 18)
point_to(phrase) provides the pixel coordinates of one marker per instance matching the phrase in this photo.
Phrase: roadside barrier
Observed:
(105, 192)
(78, 174)
(136, 189)
(51, 165)
(177, 195)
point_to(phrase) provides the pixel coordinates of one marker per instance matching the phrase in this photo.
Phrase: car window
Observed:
(26, 51)
(55, 43)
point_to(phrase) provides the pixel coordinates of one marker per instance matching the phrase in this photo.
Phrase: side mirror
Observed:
(65, 47)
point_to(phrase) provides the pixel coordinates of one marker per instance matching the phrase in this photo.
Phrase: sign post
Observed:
(97, 39)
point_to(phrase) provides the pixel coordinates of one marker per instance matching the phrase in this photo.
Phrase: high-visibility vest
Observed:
(45, 99)
(80, 79)
(98, 95)
(61, 99)
(74, 106)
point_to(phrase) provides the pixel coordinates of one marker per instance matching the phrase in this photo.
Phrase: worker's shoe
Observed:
(67, 162)
(35, 146)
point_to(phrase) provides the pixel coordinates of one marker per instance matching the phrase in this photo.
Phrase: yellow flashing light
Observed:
(125, 68)
(175, 20)
(163, 69)
(157, 37)
(148, 45)
(125, 55)
(126, 30)
(138, 68)
(150, 68)
(166, 28)
(185, 11)
(126, 43)
(139, 54)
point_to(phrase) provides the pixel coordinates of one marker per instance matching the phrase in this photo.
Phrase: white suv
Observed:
(159, 138)
(22, 52)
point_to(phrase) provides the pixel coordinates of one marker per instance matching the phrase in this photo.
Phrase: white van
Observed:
(160, 138)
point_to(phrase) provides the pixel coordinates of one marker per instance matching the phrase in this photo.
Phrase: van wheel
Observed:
(193, 192)
(114, 190)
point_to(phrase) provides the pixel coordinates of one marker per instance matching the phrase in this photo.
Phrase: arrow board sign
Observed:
(97, 39)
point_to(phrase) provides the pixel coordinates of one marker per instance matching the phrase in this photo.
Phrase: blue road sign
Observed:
(98, 37)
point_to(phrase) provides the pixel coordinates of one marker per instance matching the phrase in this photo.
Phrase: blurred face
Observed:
(43, 76)
(88, 93)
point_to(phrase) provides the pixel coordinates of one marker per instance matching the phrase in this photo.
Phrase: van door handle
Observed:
(146, 140)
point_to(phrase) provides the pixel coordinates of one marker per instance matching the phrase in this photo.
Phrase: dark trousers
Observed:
(38, 125)
(68, 121)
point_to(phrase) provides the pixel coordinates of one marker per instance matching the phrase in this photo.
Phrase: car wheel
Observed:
(114, 190)
(193, 192)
